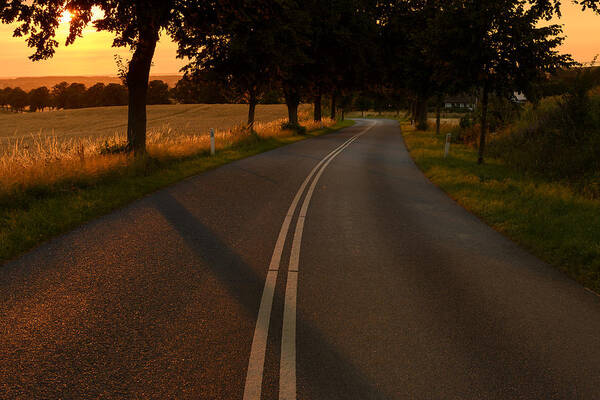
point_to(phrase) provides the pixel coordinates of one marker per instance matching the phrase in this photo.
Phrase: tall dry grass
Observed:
(43, 161)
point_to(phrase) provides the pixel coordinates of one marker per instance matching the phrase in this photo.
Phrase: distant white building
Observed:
(466, 102)
(460, 102)
(519, 97)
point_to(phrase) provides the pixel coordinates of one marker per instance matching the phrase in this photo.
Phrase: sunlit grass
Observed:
(553, 220)
(45, 160)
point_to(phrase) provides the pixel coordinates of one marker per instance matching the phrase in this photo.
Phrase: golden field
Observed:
(106, 122)
(175, 132)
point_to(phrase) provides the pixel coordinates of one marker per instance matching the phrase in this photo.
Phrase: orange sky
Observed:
(93, 54)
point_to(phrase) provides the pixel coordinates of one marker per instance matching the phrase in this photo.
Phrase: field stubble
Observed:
(106, 122)
(43, 160)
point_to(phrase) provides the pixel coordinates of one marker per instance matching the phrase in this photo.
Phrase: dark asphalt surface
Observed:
(402, 294)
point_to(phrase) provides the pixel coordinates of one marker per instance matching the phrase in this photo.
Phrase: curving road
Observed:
(326, 269)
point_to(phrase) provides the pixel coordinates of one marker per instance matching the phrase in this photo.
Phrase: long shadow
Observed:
(230, 269)
(249, 171)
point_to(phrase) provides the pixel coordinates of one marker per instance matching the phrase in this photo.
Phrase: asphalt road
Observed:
(296, 275)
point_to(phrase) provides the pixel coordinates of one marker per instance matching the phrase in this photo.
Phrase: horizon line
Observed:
(84, 75)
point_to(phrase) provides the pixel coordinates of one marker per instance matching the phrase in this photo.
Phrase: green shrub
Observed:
(466, 134)
(560, 139)
(502, 112)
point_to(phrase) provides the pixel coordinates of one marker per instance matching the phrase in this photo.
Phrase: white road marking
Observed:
(287, 368)
(254, 377)
(592, 292)
(256, 364)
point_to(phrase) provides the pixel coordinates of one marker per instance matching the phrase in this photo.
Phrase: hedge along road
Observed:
(384, 288)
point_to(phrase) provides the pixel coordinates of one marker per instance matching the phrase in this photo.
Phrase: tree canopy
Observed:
(307, 50)
(136, 24)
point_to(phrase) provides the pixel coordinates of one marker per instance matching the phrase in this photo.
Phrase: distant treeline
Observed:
(77, 95)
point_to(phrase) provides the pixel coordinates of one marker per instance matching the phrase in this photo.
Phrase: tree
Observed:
(292, 55)
(343, 49)
(75, 96)
(418, 38)
(115, 95)
(4, 96)
(272, 96)
(547, 8)
(94, 95)
(198, 89)
(239, 56)
(18, 99)
(59, 95)
(136, 24)
(39, 99)
(185, 92)
(504, 49)
(158, 93)
(283, 28)
(363, 103)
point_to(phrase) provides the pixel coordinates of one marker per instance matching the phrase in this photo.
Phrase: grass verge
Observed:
(548, 218)
(37, 215)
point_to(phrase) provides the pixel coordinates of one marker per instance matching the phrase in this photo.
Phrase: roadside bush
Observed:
(466, 121)
(560, 139)
(467, 132)
(501, 113)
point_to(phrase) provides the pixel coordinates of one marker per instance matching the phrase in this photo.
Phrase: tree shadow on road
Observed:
(237, 277)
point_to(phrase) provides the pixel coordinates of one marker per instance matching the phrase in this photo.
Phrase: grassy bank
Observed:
(46, 202)
(550, 219)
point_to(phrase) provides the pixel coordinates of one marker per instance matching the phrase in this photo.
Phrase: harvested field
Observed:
(107, 122)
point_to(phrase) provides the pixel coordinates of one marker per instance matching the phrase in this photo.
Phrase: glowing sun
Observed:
(66, 17)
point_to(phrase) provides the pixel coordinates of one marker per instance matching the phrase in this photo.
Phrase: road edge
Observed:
(48, 218)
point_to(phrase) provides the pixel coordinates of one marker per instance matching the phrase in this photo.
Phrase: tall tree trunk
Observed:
(318, 113)
(422, 113)
(251, 109)
(415, 112)
(333, 106)
(292, 100)
(438, 111)
(292, 114)
(137, 83)
(484, 109)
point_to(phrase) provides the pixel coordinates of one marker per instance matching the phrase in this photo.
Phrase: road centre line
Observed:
(254, 377)
(287, 365)
(295, 253)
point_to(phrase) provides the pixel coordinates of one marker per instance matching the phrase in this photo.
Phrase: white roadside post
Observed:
(447, 147)
(212, 142)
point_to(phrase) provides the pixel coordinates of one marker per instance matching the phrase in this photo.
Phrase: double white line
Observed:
(287, 377)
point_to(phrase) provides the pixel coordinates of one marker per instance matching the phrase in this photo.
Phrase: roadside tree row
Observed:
(311, 50)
